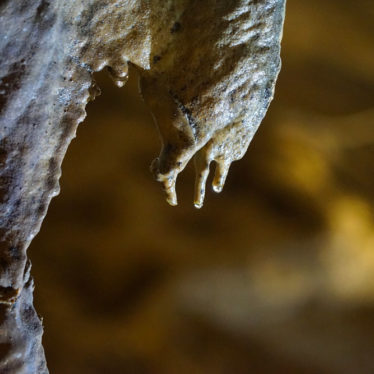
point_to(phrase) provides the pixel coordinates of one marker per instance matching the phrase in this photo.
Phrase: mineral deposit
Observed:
(208, 70)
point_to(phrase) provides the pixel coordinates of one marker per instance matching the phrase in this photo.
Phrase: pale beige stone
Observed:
(208, 70)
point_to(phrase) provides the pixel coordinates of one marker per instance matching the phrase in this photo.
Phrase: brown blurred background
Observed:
(274, 275)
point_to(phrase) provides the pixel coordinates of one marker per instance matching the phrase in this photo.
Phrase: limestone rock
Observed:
(208, 72)
(209, 87)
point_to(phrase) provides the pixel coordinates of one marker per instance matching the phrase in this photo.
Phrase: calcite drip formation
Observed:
(208, 71)
(210, 84)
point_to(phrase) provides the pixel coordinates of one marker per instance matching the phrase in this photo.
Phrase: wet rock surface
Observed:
(208, 87)
(275, 275)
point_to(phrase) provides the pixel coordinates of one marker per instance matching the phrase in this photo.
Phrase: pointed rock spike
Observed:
(222, 168)
(202, 172)
(169, 187)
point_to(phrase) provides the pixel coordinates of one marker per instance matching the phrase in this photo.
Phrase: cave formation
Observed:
(207, 72)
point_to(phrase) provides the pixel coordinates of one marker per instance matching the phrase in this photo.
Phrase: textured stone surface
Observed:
(208, 73)
(287, 247)
(216, 78)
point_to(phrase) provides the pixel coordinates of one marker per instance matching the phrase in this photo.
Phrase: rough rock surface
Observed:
(208, 73)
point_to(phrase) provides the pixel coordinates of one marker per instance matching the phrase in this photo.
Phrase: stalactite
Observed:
(208, 70)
